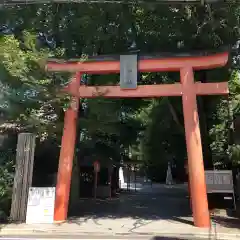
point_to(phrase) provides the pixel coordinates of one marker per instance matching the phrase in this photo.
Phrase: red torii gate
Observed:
(187, 88)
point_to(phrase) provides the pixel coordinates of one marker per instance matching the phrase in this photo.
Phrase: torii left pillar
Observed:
(67, 154)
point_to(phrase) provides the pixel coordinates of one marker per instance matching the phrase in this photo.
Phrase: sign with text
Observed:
(40, 206)
(219, 181)
(128, 71)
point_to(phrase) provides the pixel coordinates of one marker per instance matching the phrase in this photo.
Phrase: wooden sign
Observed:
(128, 71)
(219, 181)
(23, 175)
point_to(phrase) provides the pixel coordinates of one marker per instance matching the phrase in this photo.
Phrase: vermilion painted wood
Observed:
(150, 65)
(218, 88)
(150, 91)
(194, 150)
(144, 91)
(66, 155)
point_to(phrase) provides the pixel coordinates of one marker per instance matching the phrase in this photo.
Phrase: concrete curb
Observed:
(39, 233)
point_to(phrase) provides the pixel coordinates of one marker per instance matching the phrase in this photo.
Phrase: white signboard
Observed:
(40, 206)
(219, 181)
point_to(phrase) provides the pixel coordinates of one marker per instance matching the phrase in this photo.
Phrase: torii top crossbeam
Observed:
(153, 63)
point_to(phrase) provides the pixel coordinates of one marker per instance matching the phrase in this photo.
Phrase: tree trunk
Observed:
(175, 116)
(202, 105)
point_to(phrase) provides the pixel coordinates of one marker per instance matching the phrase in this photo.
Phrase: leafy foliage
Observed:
(7, 155)
(31, 97)
(146, 130)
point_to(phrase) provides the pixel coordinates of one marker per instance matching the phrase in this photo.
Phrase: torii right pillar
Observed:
(198, 193)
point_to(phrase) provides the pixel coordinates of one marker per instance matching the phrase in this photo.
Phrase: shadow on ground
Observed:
(164, 238)
(150, 204)
(223, 214)
(226, 221)
(171, 238)
(157, 203)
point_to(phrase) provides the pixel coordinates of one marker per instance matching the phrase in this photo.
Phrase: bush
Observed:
(6, 183)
